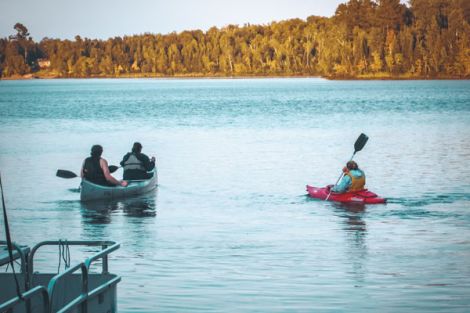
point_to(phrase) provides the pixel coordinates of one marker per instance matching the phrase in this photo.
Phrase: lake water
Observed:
(230, 228)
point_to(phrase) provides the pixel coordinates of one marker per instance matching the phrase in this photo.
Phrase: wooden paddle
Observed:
(358, 145)
(70, 174)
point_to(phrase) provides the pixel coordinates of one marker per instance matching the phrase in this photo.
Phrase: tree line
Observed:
(364, 39)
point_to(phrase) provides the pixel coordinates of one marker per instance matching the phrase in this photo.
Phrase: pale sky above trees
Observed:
(109, 18)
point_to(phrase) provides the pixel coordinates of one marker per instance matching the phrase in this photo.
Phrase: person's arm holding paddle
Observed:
(343, 184)
(149, 163)
(108, 176)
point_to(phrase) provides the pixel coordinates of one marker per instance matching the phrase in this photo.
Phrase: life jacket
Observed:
(357, 183)
(133, 163)
(92, 171)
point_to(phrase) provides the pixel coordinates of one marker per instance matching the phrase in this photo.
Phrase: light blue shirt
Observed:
(345, 183)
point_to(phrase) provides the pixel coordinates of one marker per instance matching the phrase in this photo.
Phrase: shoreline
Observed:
(215, 77)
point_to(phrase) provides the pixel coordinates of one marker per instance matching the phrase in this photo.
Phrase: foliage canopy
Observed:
(364, 39)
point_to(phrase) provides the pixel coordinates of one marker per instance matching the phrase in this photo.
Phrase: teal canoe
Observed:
(90, 191)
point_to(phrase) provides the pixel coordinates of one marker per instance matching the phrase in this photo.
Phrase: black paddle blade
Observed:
(113, 168)
(360, 142)
(65, 174)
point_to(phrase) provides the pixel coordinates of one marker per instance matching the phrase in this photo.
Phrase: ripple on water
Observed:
(230, 229)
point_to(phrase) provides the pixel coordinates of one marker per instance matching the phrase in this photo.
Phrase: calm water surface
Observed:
(230, 228)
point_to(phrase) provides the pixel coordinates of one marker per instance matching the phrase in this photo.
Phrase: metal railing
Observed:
(19, 250)
(26, 297)
(48, 294)
(108, 246)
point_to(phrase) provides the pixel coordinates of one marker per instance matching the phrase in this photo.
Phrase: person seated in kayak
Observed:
(354, 179)
(95, 169)
(136, 165)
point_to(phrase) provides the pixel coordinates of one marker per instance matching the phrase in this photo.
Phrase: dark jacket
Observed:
(136, 166)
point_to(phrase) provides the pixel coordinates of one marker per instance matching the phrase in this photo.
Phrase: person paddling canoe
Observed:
(354, 179)
(95, 169)
(136, 164)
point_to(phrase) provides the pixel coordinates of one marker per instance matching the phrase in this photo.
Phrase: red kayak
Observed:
(364, 196)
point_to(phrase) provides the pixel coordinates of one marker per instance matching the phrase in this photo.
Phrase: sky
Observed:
(102, 19)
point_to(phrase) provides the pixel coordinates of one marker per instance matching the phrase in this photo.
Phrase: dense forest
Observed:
(364, 39)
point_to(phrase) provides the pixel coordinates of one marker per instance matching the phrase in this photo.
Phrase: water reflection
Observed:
(356, 233)
(353, 213)
(101, 212)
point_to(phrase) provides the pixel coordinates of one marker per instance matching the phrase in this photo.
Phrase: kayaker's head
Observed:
(351, 165)
(137, 147)
(96, 151)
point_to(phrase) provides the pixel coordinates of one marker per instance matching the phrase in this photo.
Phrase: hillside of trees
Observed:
(364, 39)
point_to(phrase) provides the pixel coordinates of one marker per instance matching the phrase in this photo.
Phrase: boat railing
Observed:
(63, 276)
(26, 297)
(82, 298)
(67, 291)
(18, 252)
(107, 246)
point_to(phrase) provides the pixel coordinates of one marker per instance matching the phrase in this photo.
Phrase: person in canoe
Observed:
(95, 169)
(354, 179)
(136, 165)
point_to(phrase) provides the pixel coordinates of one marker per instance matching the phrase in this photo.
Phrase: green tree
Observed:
(21, 32)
